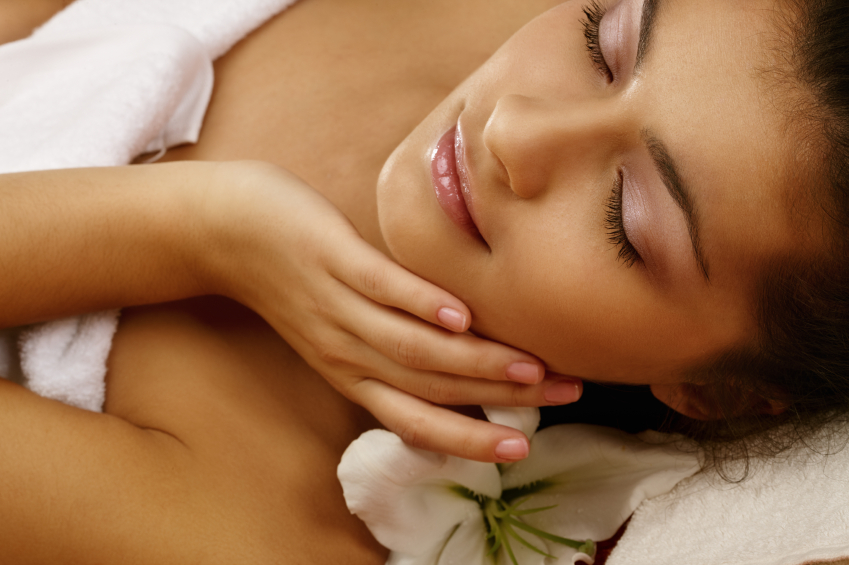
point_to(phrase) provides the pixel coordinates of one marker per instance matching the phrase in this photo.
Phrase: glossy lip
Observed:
(450, 182)
(465, 181)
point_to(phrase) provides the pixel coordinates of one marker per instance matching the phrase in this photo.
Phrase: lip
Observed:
(450, 182)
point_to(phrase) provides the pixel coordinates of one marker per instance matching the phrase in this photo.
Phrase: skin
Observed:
(543, 145)
(21, 18)
(208, 451)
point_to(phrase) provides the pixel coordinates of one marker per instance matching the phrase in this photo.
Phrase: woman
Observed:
(609, 213)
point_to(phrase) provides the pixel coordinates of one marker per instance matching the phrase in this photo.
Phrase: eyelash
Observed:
(593, 13)
(616, 228)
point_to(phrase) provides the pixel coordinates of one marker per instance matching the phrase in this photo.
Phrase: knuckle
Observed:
(374, 281)
(350, 388)
(330, 353)
(413, 431)
(441, 391)
(467, 446)
(410, 351)
(481, 366)
(414, 294)
(517, 396)
(318, 308)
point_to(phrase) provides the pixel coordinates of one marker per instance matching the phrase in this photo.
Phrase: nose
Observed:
(539, 141)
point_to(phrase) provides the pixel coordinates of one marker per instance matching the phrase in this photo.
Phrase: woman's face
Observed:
(621, 206)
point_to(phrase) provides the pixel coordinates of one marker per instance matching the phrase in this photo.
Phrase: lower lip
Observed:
(447, 184)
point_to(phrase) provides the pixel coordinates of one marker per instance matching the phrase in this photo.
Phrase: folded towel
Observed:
(99, 84)
(792, 510)
(100, 96)
(216, 24)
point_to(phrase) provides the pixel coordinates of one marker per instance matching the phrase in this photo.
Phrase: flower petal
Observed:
(468, 545)
(598, 478)
(403, 494)
(526, 420)
(465, 545)
(582, 558)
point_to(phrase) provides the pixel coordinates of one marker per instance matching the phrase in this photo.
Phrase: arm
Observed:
(80, 240)
(19, 18)
(205, 455)
(89, 239)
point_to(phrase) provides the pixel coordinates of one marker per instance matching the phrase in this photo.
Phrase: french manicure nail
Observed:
(512, 449)
(562, 392)
(452, 319)
(525, 373)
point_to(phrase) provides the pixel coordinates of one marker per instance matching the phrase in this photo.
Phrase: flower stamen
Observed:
(502, 518)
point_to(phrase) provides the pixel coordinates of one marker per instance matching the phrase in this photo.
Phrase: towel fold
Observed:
(216, 24)
(100, 96)
(789, 511)
(99, 84)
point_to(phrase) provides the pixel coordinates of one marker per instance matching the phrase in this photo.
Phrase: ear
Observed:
(771, 407)
(684, 399)
(694, 402)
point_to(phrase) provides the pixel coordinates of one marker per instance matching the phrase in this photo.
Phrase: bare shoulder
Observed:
(18, 18)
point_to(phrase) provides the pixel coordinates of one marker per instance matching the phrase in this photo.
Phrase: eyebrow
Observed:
(680, 193)
(663, 162)
(647, 21)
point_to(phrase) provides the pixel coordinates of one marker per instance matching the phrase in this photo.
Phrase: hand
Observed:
(385, 338)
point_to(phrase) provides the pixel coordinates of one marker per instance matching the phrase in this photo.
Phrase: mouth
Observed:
(451, 184)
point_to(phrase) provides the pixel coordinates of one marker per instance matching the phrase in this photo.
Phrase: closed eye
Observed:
(615, 225)
(593, 13)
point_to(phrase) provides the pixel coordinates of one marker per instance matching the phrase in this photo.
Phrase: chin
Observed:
(395, 203)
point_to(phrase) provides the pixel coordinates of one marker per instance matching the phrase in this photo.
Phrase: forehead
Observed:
(709, 88)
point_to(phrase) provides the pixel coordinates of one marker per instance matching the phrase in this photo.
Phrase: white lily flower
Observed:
(579, 481)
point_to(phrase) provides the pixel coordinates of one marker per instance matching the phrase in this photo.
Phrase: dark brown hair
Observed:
(800, 359)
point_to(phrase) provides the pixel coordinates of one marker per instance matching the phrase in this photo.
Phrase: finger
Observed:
(441, 388)
(419, 345)
(376, 276)
(423, 425)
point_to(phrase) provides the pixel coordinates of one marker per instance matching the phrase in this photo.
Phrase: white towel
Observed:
(790, 511)
(102, 82)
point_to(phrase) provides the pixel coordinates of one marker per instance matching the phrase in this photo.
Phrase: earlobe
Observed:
(770, 407)
(684, 399)
(691, 401)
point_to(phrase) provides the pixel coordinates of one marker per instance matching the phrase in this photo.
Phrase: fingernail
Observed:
(452, 319)
(512, 449)
(562, 392)
(526, 373)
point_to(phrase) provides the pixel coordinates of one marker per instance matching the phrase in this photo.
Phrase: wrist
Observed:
(226, 240)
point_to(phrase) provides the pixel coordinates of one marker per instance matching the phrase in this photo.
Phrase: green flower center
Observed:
(503, 517)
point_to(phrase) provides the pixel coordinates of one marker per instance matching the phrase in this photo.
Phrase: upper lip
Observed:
(465, 178)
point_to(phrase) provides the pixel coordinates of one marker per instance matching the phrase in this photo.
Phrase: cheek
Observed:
(554, 293)
(581, 311)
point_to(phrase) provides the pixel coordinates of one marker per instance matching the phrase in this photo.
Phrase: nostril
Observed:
(521, 134)
(502, 171)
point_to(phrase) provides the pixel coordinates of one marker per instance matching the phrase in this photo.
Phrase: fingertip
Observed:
(512, 449)
(563, 390)
(525, 373)
(453, 319)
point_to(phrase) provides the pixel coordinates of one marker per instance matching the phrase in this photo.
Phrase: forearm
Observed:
(81, 240)
(19, 18)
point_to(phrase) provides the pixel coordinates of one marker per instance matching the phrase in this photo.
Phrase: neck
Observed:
(330, 87)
